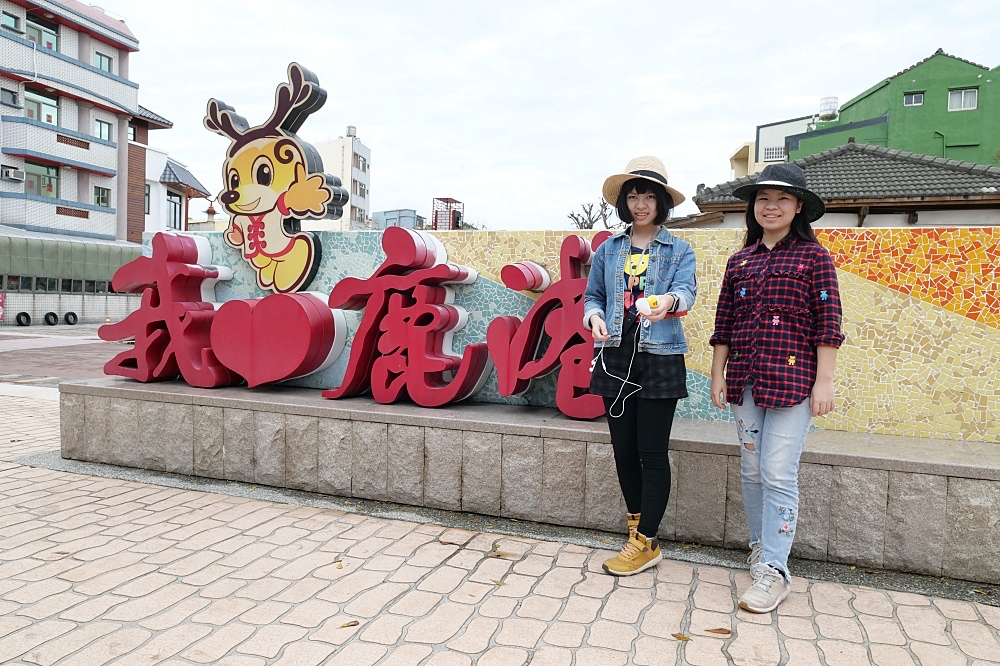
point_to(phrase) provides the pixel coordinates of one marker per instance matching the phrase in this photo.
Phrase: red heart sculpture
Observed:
(277, 337)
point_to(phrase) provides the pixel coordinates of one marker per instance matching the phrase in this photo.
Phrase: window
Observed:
(913, 99)
(146, 201)
(131, 136)
(26, 283)
(102, 130)
(67, 286)
(90, 286)
(11, 21)
(102, 197)
(53, 285)
(43, 33)
(41, 180)
(8, 97)
(102, 287)
(77, 286)
(41, 284)
(774, 154)
(13, 282)
(102, 61)
(41, 107)
(963, 100)
(175, 206)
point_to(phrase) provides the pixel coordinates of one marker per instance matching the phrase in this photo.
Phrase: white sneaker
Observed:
(754, 557)
(768, 590)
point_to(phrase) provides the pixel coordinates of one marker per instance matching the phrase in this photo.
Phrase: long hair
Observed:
(664, 202)
(801, 228)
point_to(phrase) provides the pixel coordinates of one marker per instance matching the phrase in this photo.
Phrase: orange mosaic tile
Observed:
(957, 269)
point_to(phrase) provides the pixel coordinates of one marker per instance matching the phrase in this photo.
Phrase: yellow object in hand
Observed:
(653, 301)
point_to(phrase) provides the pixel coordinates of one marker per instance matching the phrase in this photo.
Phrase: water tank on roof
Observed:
(829, 108)
(353, 131)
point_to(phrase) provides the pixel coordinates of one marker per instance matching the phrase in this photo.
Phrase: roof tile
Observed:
(860, 171)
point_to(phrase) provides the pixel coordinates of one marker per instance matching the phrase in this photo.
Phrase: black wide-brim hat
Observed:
(787, 178)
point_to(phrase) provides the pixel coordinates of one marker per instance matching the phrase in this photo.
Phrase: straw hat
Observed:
(787, 178)
(648, 168)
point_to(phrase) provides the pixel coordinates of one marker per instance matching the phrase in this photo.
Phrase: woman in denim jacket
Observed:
(640, 281)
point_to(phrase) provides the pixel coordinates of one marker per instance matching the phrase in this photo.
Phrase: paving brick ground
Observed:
(103, 571)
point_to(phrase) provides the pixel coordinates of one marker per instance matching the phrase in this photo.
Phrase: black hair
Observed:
(664, 202)
(801, 228)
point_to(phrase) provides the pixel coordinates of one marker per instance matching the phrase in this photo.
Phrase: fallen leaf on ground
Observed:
(498, 582)
(720, 631)
(681, 637)
(352, 623)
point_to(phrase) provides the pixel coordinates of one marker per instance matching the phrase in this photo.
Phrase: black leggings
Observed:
(640, 438)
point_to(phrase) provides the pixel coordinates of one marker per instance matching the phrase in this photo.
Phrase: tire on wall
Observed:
(23, 319)
(70, 318)
(51, 318)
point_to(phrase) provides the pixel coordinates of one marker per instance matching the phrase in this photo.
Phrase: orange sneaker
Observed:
(639, 554)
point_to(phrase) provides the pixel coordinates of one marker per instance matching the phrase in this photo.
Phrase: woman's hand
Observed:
(598, 328)
(719, 392)
(663, 307)
(720, 356)
(823, 397)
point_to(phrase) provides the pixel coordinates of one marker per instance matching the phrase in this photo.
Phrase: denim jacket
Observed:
(671, 271)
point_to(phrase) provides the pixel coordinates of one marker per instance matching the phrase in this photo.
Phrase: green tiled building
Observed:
(943, 106)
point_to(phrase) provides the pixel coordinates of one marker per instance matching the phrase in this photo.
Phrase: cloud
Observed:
(521, 109)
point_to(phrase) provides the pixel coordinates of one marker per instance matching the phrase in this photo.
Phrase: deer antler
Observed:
(295, 101)
(223, 119)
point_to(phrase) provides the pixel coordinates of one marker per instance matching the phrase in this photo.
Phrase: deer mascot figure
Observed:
(273, 179)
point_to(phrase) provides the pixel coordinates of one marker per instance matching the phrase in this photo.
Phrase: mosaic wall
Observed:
(921, 316)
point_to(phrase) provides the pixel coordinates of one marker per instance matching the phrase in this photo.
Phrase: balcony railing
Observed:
(27, 60)
(75, 147)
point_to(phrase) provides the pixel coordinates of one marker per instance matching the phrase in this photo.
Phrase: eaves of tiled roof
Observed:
(175, 174)
(152, 117)
(937, 53)
(97, 15)
(859, 172)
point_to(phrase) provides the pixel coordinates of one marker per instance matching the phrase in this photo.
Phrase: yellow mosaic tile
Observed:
(919, 357)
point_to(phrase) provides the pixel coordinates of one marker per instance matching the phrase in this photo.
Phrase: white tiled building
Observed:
(350, 160)
(65, 105)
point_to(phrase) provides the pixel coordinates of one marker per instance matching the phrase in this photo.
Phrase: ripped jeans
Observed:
(771, 443)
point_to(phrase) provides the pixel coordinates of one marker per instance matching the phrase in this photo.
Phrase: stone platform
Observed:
(906, 504)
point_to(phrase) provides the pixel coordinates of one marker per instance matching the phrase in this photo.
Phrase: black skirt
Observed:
(660, 375)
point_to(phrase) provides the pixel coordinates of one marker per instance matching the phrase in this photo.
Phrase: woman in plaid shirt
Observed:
(777, 331)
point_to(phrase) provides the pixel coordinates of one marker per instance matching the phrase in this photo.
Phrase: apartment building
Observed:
(66, 102)
(350, 160)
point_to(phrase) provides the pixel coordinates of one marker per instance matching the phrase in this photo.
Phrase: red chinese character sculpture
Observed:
(403, 345)
(513, 344)
(171, 326)
(278, 337)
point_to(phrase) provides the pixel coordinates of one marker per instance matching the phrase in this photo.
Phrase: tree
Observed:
(592, 214)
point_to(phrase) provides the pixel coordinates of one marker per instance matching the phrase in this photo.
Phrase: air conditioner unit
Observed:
(12, 174)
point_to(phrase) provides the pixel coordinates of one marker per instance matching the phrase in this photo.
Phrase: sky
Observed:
(522, 109)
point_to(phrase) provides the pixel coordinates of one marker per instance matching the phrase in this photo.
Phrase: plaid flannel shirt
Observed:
(775, 307)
